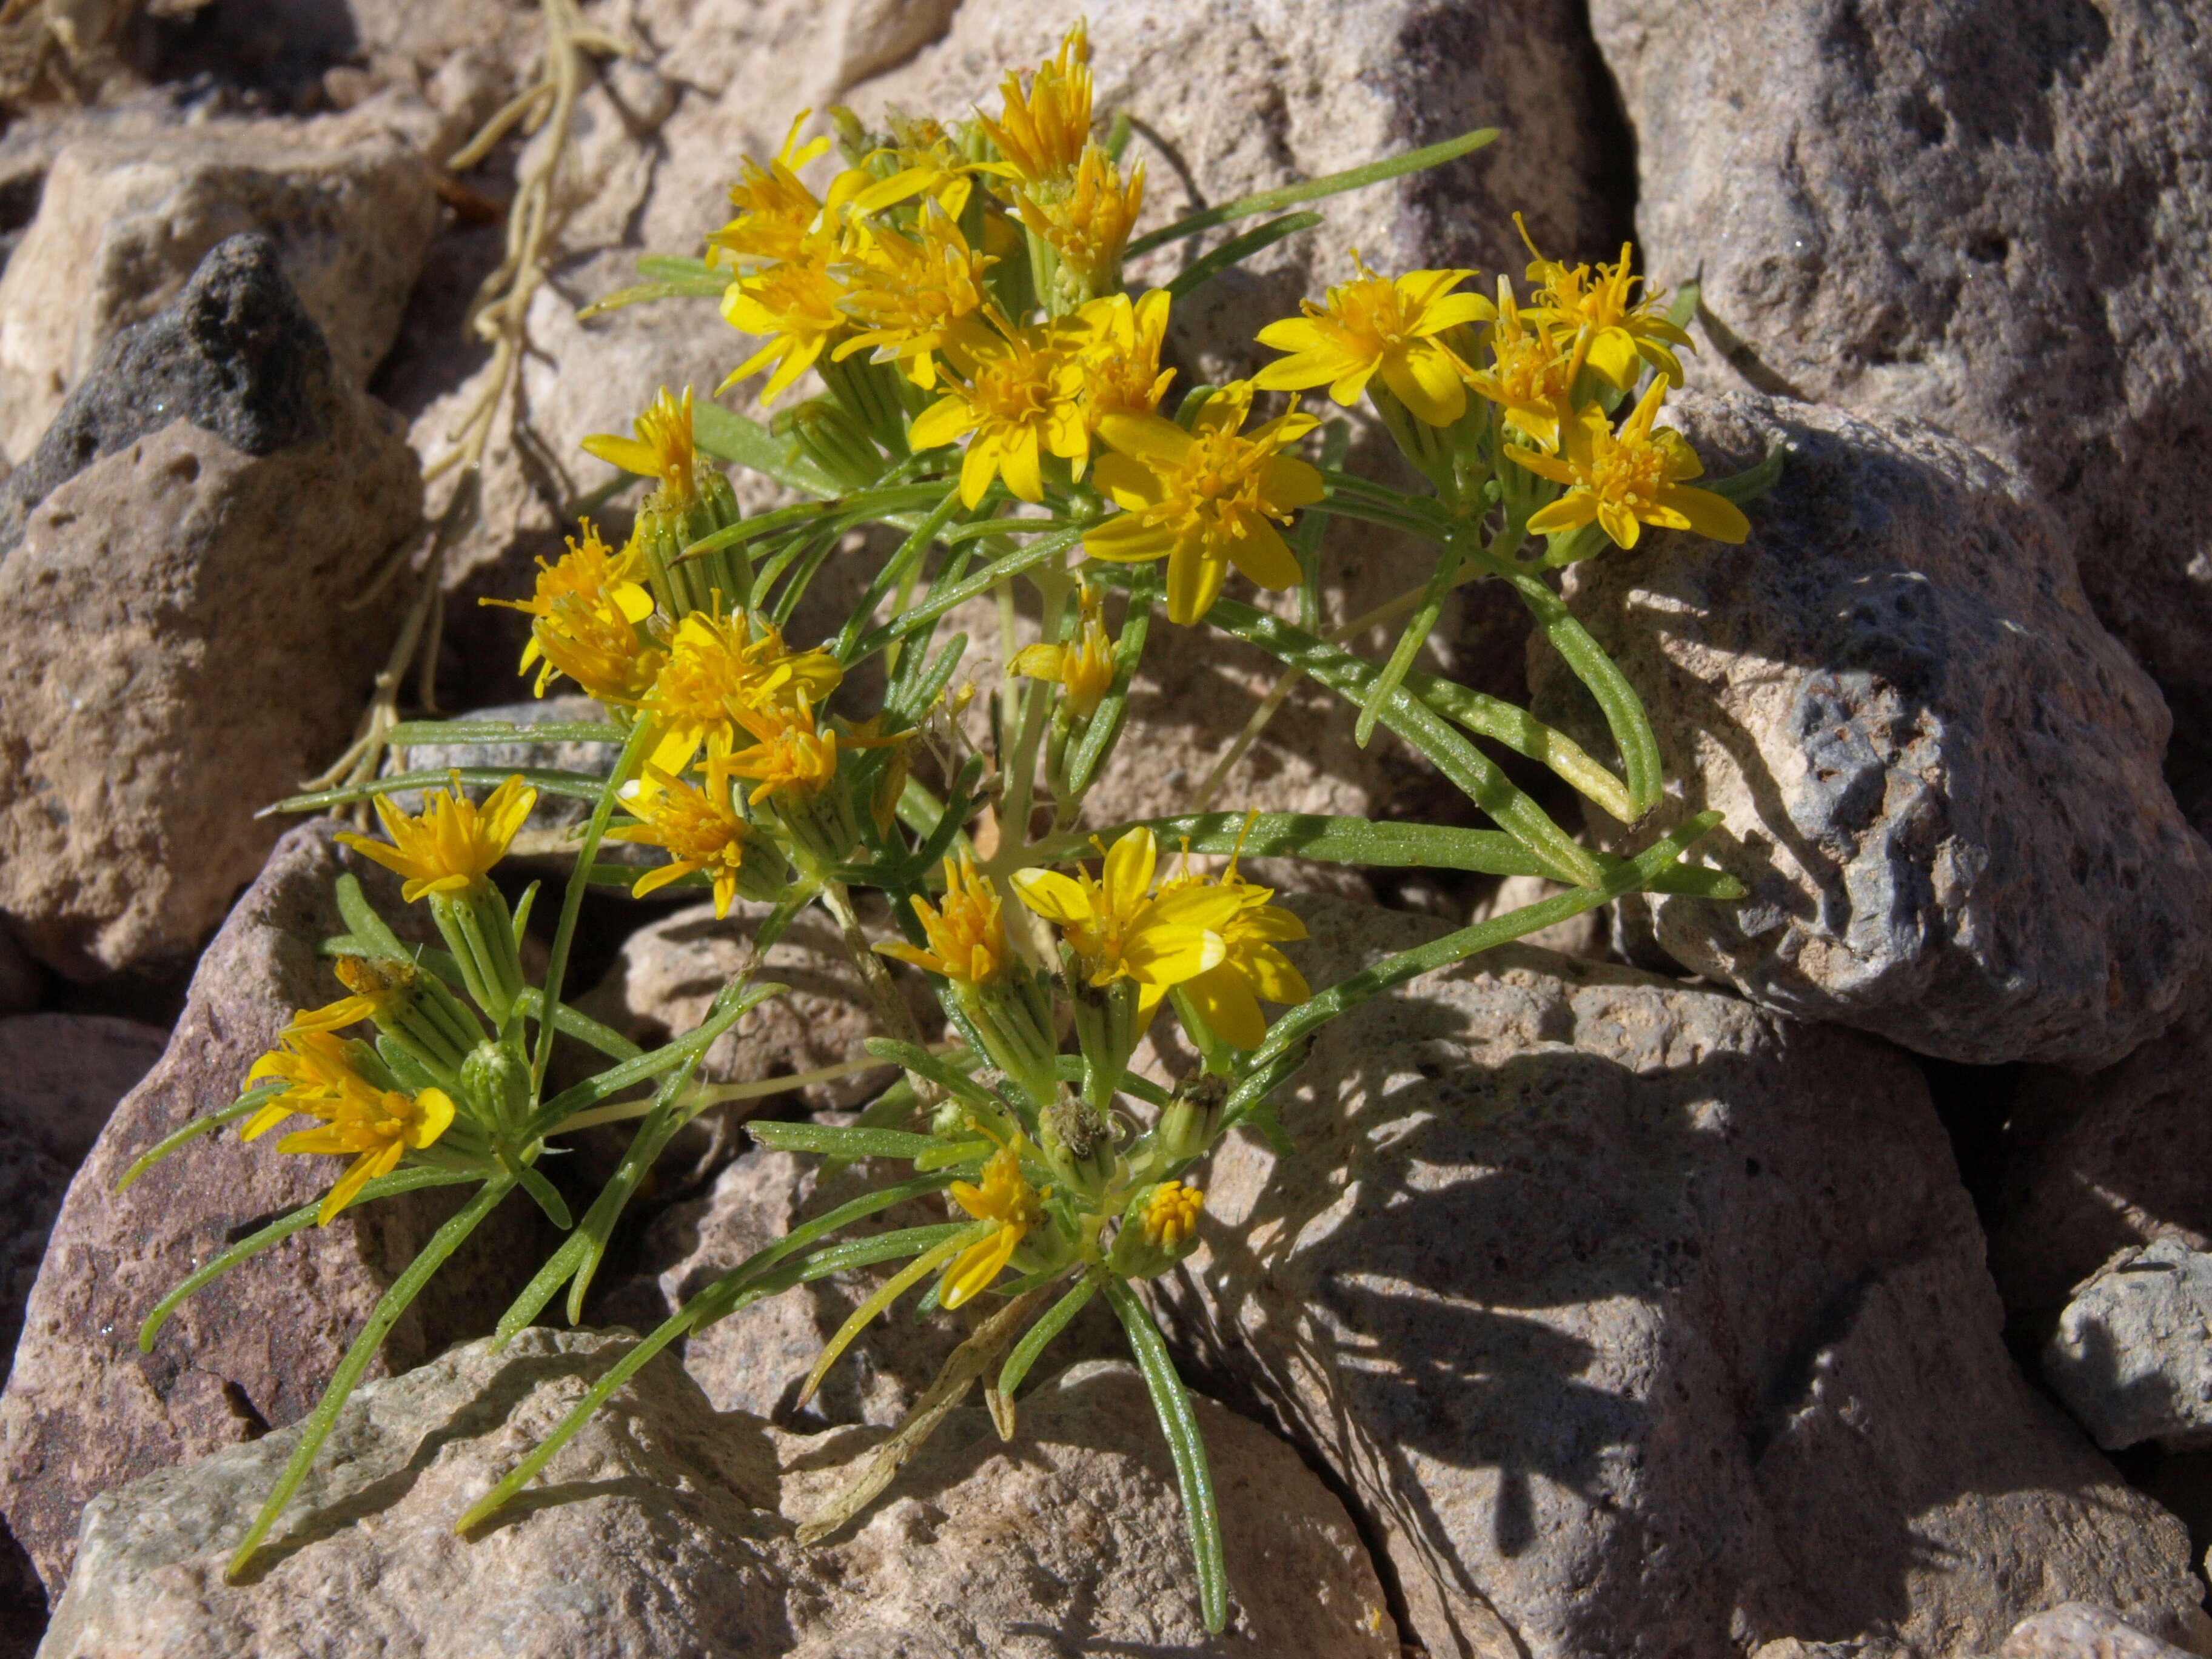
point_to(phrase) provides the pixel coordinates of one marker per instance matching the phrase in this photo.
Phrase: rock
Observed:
(1584, 937)
(2079, 1630)
(61, 1075)
(1939, 775)
(32, 1183)
(1634, 1318)
(671, 970)
(125, 220)
(554, 816)
(84, 1411)
(1990, 216)
(22, 981)
(2132, 1356)
(665, 1528)
(2090, 1166)
(194, 659)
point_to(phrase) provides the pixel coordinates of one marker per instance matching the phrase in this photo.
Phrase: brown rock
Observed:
(125, 220)
(84, 1410)
(1635, 1319)
(62, 1074)
(1940, 776)
(664, 1528)
(2078, 1629)
(1990, 215)
(193, 660)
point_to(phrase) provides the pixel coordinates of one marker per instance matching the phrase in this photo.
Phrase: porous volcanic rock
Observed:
(1638, 1319)
(666, 1528)
(1939, 775)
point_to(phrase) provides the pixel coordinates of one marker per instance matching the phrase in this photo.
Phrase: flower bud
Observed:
(1159, 1229)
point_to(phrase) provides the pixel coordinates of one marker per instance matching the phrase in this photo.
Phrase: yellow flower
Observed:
(1610, 331)
(1087, 223)
(378, 1126)
(788, 757)
(1121, 354)
(1084, 666)
(1630, 477)
(907, 294)
(1377, 326)
(1120, 931)
(1533, 373)
(696, 828)
(450, 846)
(1203, 499)
(1171, 1213)
(776, 211)
(1227, 995)
(378, 989)
(793, 302)
(1041, 133)
(1005, 1197)
(928, 164)
(1020, 394)
(718, 666)
(587, 601)
(662, 448)
(967, 938)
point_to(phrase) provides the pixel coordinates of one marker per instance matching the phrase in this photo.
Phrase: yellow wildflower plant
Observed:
(775, 210)
(448, 846)
(1171, 1214)
(1227, 996)
(1531, 372)
(1394, 328)
(662, 447)
(376, 1126)
(1087, 221)
(696, 828)
(788, 760)
(1612, 329)
(1120, 930)
(1121, 354)
(1018, 399)
(1204, 498)
(375, 990)
(908, 293)
(1083, 667)
(927, 163)
(967, 933)
(1625, 479)
(1005, 1197)
(1042, 131)
(313, 1063)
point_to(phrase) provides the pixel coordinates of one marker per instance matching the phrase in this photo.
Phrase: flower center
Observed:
(1630, 473)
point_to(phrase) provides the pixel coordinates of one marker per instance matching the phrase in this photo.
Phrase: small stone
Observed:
(1939, 775)
(61, 1076)
(2080, 1630)
(551, 822)
(665, 1526)
(2132, 1356)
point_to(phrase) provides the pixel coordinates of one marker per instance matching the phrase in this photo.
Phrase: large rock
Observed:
(1992, 215)
(2132, 1355)
(126, 219)
(665, 1528)
(1940, 776)
(32, 1183)
(84, 1410)
(2090, 1166)
(1637, 1320)
(194, 658)
(61, 1075)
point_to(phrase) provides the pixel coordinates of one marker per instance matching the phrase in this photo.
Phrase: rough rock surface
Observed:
(1583, 936)
(671, 970)
(84, 1411)
(664, 1528)
(61, 1075)
(125, 220)
(1939, 775)
(1638, 1321)
(2080, 1630)
(192, 659)
(32, 1183)
(553, 814)
(1992, 215)
(2132, 1356)
(2093, 1166)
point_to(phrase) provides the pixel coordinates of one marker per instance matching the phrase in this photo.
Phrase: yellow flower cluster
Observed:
(321, 1074)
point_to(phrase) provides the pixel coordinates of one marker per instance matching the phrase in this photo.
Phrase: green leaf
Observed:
(575, 786)
(939, 602)
(409, 733)
(1039, 1336)
(686, 288)
(838, 1140)
(937, 1069)
(616, 1079)
(1193, 1476)
(1105, 726)
(1238, 249)
(1752, 482)
(1311, 835)
(252, 1101)
(1524, 734)
(728, 436)
(1313, 190)
(676, 268)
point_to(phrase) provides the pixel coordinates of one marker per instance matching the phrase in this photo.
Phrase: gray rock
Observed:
(554, 815)
(85, 1411)
(1637, 1320)
(2132, 1355)
(1940, 776)
(2090, 1166)
(664, 1528)
(61, 1075)
(194, 659)
(2081, 1630)
(1992, 215)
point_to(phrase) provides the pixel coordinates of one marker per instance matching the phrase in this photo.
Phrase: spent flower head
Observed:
(1005, 1197)
(662, 447)
(1042, 131)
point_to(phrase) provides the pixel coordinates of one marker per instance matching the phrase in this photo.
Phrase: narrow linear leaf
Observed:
(252, 1101)
(1039, 1336)
(728, 436)
(840, 1141)
(1238, 249)
(1194, 1475)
